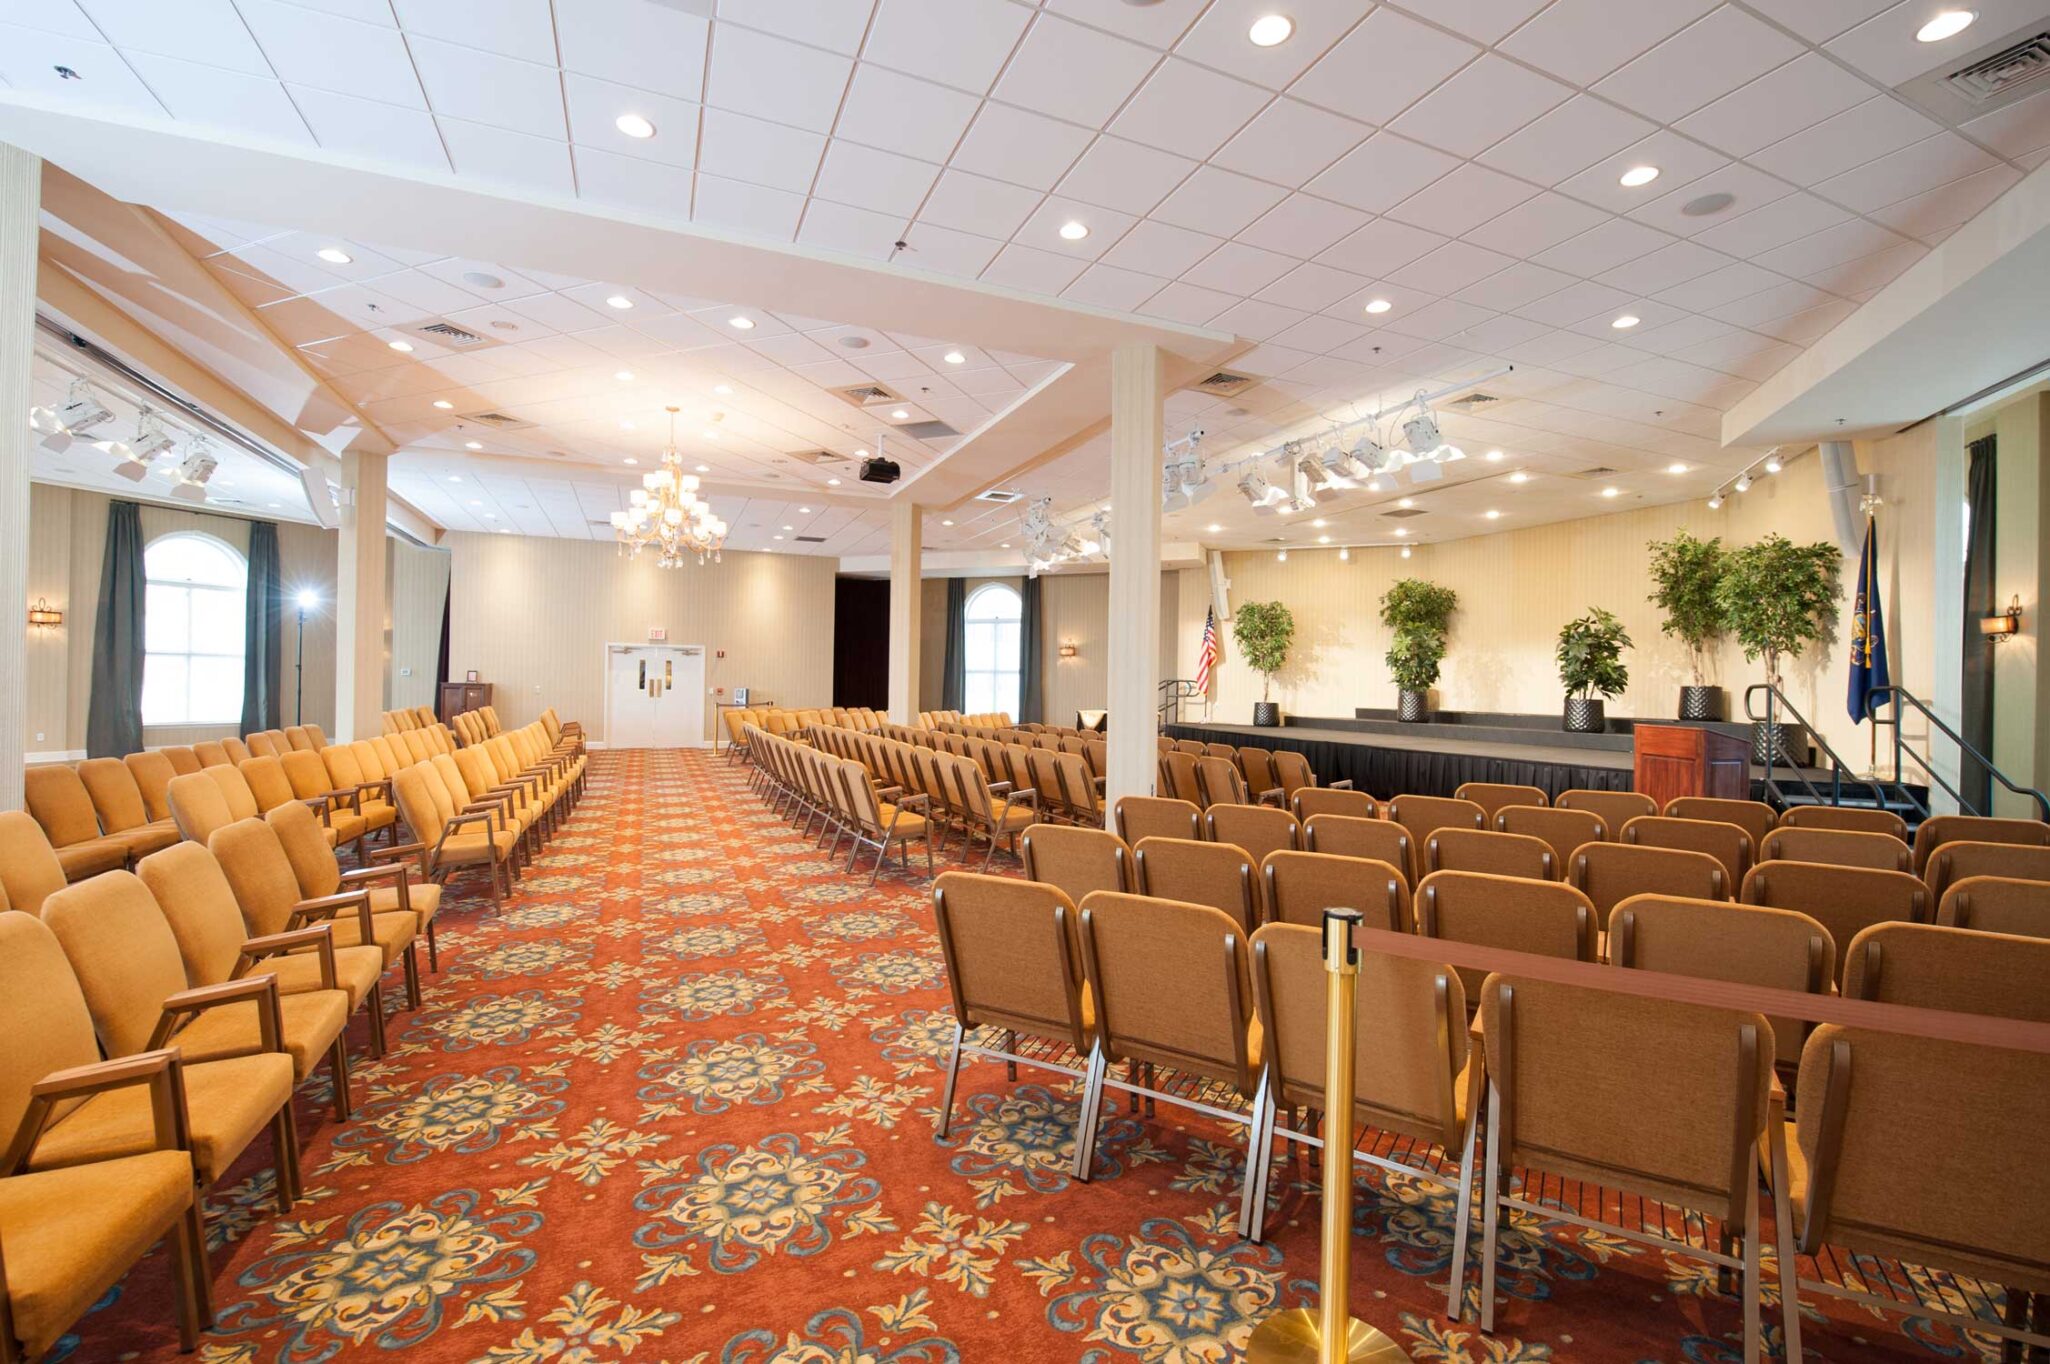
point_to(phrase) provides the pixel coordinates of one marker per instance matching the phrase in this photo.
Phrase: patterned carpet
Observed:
(676, 1104)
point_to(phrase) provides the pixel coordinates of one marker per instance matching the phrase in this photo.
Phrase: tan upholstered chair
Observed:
(181, 758)
(310, 783)
(1220, 875)
(1013, 962)
(1938, 830)
(237, 751)
(1726, 843)
(234, 789)
(1178, 780)
(402, 909)
(1844, 900)
(1077, 860)
(876, 823)
(211, 753)
(1610, 873)
(1565, 830)
(117, 799)
(1292, 770)
(1425, 815)
(1845, 817)
(1962, 970)
(1140, 817)
(1350, 836)
(1548, 920)
(1256, 765)
(29, 868)
(1222, 783)
(152, 771)
(128, 969)
(1170, 987)
(269, 784)
(1259, 829)
(197, 806)
(1412, 1075)
(1299, 886)
(359, 791)
(1994, 904)
(982, 810)
(1494, 797)
(450, 841)
(58, 801)
(1835, 847)
(1615, 808)
(1754, 817)
(1307, 801)
(69, 1234)
(1495, 853)
(1675, 1110)
(1956, 861)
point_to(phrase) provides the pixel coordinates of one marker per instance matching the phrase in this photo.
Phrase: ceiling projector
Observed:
(880, 471)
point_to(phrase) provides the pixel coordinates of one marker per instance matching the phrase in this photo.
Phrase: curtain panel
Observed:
(114, 711)
(1031, 637)
(954, 661)
(1975, 781)
(263, 636)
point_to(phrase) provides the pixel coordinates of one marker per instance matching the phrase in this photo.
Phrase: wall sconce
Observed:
(1999, 628)
(1068, 650)
(43, 616)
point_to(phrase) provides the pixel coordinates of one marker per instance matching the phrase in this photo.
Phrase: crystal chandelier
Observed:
(666, 514)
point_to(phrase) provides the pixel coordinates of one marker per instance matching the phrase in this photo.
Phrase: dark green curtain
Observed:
(1981, 494)
(263, 633)
(954, 662)
(1031, 693)
(113, 725)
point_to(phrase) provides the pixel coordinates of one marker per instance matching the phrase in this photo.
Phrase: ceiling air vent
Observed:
(811, 539)
(449, 334)
(1403, 513)
(1472, 402)
(1003, 497)
(497, 421)
(812, 457)
(865, 396)
(1995, 77)
(1599, 471)
(1225, 384)
(928, 430)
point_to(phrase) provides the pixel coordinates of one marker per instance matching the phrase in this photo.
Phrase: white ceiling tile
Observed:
(512, 28)
(1854, 277)
(1702, 62)
(1219, 201)
(835, 24)
(1462, 201)
(1862, 133)
(856, 231)
(1268, 360)
(1450, 268)
(1155, 248)
(1884, 47)
(62, 17)
(484, 87)
(605, 177)
(1261, 321)
(1124, 175)
(1570, 138)
(1289, 142)
(1679, 162)
(972, 203)
(1777, 105)
(1302, 226)
(1937, 210)
(1443, 320)
(1380, 248)
(882, 182)
(1575, 303)
(962, 43)
(1776, 224)
(1073, 72)
(1603, 248)
(1106, 286)
(1513, 286)
(206, 31)
(1219, 38)
(1908, 172)
(1820, 20)
(1832, 246)
(1497, 334)
(206, 95)
(371, 129)
(484, 152)
(1042, 229)
(1537, 223)
(1726, 285)
(1666, 268)
(904, 114)
(1157, 25)
(595, 106)
(1747, 188)
(1186, 109)
(772, 78)
(1025, 267)
(1580, 41)
(631, 42)
(1484, 21)
(1779, 301)
(1480, 106)
(1024, 148)
(737, 147)
(1312, 287)
(933, 247)
(1381, 172)
(306, 47)
(1236, 268)
(2019, 128)
(1809, 326)
(1383, 66)
(1319, 335)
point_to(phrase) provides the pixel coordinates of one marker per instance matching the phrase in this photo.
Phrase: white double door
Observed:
(655, 696)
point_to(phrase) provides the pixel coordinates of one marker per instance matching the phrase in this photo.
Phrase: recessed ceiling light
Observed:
(473, 445)
(476, 501)
(1378, 305)
(900, 415)
(1402, 530)
(488, 516)
(1519, 477)
(1405, 501)
(787, 528)
(334, 255)
(455, 478)
(1213, 528)
(1493, 515)
(946, 523)
(1639, 175)
(706, 469)
(1625, 322)
(633, 125)
(1612, 492)
(954, 357)
(710, 434)
(1005, 545)
(619, 301)
(625, 425)
(1706, 204)
(630, 460)
(625, 376)
(1319, 523)
(481, 280)
(830, 483)
(1676, 468)
(1494, 456)
(775, 537)
(723, 390)
(1072, 231)
(1947, 24)
(444, 404)
(741, 323)
(806, 511)
(1270, 30)
(1323, 539)
(402, 347)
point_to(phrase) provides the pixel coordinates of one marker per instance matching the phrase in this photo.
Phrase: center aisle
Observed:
(676, 1104)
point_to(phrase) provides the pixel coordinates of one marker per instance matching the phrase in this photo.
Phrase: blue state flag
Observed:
(1868, 632)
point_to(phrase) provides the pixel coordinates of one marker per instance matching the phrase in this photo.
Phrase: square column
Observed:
(907, 526)
(359, 599)
(20, 199)
(1137, 426)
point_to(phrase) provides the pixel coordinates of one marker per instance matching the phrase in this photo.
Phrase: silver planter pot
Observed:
(1412, 707)
(1701, 703)
(1586, 715)
(1266, 714)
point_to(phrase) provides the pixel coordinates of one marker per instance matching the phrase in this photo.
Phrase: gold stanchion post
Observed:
(1332, 1334)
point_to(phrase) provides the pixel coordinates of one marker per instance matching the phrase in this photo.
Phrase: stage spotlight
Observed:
(191, 476)
(1405, 551)
(1715, 501)
(1264, 496)
(1421, 434)
(1772, 464)
(1743, 483)
(151, 439)
(83, 410)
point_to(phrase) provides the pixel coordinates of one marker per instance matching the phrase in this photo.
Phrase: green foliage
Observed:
(1777, 597)
(1684, 573)
(1419, 613)
(1263, 631)
(1590, 655)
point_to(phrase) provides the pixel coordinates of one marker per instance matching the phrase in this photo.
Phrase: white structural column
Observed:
(359, 599)
(907, 526)
(1947, 579)
(1136, 427)
(20, 197)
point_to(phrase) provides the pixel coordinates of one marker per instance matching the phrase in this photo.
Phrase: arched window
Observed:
(990, 650)
(193, 621)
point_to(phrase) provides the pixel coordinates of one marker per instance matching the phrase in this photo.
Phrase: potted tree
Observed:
(1419, 613)
(1777, 598)
(1590, 658)
(1263, 631)
(1684, 574)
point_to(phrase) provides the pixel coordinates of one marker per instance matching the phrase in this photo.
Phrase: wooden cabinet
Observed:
(1689, 760)
(457, 697)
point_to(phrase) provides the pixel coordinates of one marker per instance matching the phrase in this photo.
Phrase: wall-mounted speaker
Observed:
(320, 499)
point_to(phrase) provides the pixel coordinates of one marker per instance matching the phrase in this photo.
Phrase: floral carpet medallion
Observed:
(675, 1104)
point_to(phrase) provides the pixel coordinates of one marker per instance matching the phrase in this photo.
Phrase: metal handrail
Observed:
(1173, 691)
(1774, 697)
(1902, 696)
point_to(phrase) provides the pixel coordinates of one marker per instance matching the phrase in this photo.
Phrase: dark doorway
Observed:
(861, 642)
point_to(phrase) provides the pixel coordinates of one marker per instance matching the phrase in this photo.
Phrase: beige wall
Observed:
(2021, 736)
(533, 617)
(417, 581)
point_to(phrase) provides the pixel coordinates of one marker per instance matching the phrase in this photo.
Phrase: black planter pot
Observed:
(1779, 743)
(1412, 707)
(1266, 714)
(1701, 703)
(1586, 715)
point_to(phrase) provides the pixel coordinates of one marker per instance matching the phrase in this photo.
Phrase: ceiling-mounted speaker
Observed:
(320, 499)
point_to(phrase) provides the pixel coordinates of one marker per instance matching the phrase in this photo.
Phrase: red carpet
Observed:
(676, 1104)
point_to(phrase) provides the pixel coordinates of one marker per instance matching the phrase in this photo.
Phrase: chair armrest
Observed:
(350, 797)
(917, 802)
(313, 911)
(163, 1071)
(395, 872)
(489, 817)
(263, 990)
(1029, 796)
(1345, 785)
(1274, 796)
(998, 788)
(321, 937)
(317, 804)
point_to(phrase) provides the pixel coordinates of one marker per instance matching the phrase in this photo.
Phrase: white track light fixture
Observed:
(83, 411)
(1265, 497)
(152, 438)
(191, 477)
(1773, 464)
(1743, 483)
(1184, 481)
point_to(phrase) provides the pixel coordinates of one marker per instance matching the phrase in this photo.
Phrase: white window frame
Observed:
(993, 687)
(230, 598)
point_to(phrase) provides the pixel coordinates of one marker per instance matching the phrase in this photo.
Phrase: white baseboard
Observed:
(62, 755)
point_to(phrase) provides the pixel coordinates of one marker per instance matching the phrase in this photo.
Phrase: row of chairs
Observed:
(1668, 1101)
(941, 719)
(409, 717)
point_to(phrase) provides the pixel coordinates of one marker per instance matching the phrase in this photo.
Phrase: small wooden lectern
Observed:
(1690, 760)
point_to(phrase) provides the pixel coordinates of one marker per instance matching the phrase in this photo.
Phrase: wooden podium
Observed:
(1690, 760)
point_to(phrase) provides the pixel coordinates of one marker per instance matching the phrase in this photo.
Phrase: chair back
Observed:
(181, 758)
(1716, 940)
(115, 796)
(1351, 836)
(1259, 829)
(1610, 873)
(1300, 886)
(1078, 860)
(1564, 830)
(197, 805)
(1497, 854)
(1170, 984)
(1754, 817)
(304, 840)
(1220, 875)
(57, 798)
(1225, 751)
(418, 805)
(43, 1012)
(1178, 779)
(1257, 766)
(234, 789)
(29, 869)
(1835, 847)
(1190, 747)
(1844, 817)
(1309, 801)
(152, 771)
(260, 872)
(1493, 797)
(1011, 955)
(237, 751)
(1962, 970)
(211, 753)
(1938, 830)
(1221, 782)
(1616, 808)
(122, 951)
(1425, 815)
(1996, 904)
(1844, 900)
(1551, 919)
(268, 783)
(1140, 817)
(199, 904)
(1292, 772)
(1954, 862)
(1726, 843)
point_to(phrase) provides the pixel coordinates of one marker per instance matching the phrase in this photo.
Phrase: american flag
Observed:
(1206, 657)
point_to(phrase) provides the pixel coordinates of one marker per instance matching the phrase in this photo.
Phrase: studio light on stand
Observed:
(306, 600)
